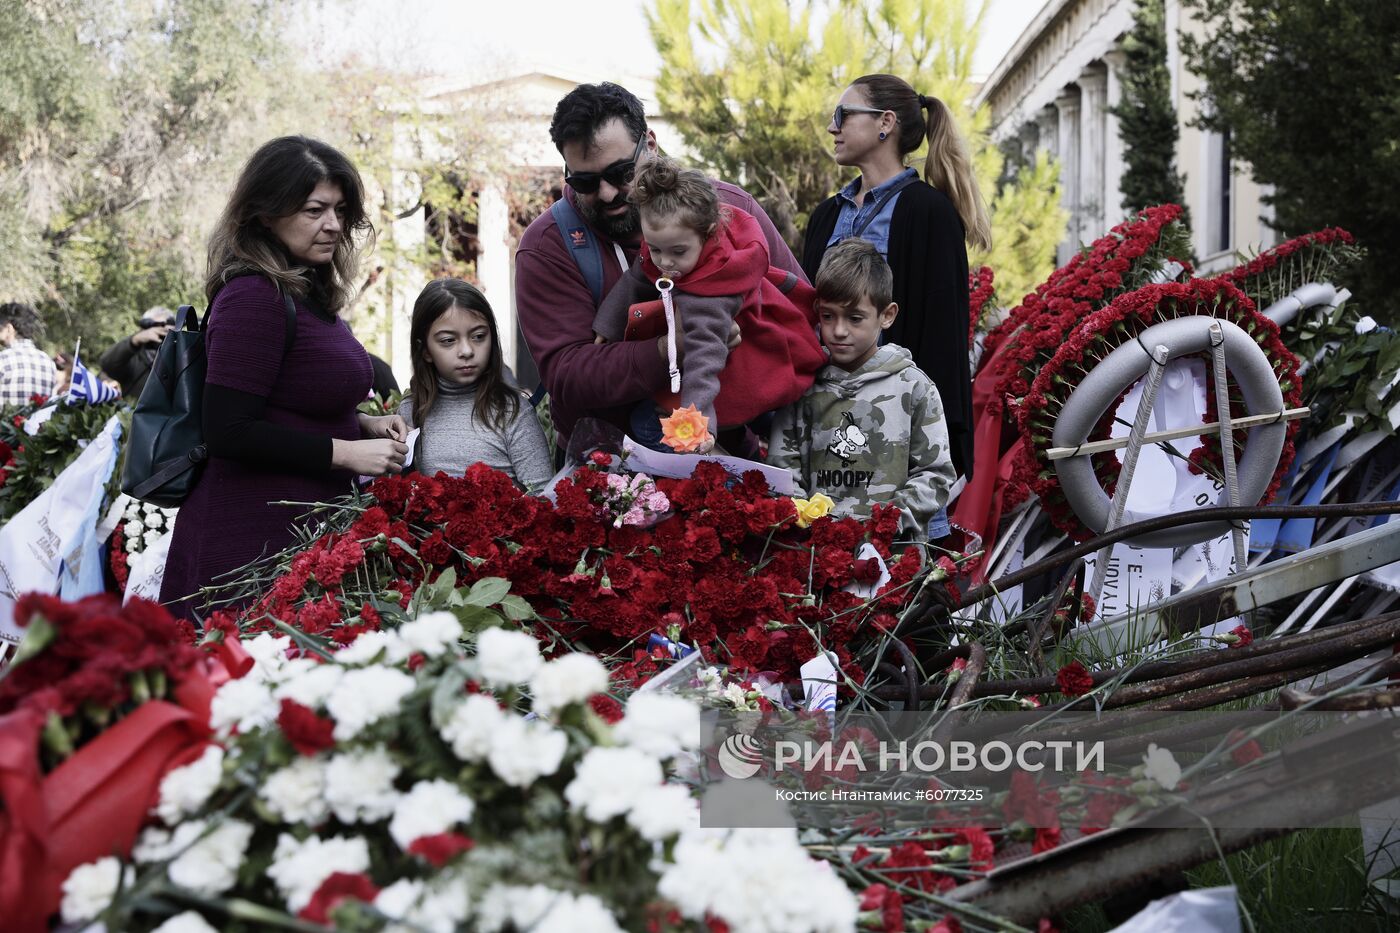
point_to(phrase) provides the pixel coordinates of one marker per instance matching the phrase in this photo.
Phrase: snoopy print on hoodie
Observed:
(873, 435)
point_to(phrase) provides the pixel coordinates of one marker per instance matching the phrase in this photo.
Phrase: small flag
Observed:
(86, 388)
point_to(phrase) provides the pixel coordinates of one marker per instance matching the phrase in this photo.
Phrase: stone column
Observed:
(493, 269)
(1047, 126)
(1067, 105)
(1113, 145)
(1093, 84)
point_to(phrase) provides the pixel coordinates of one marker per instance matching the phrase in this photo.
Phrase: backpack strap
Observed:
(582, 246)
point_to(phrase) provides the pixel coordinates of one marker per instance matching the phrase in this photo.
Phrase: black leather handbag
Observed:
(165, 447)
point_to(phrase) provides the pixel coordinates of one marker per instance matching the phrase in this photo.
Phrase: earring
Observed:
(883, 135)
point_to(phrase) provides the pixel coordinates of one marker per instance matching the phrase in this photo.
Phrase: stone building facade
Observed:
(1053, 91)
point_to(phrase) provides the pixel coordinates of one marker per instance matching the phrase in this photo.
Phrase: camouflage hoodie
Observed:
(873, 435)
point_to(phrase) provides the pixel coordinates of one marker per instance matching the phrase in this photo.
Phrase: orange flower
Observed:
(685, 430)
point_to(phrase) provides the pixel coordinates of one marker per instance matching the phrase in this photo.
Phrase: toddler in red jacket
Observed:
(716, 261)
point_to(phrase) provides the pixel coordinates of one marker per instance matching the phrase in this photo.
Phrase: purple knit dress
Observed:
(227, 521)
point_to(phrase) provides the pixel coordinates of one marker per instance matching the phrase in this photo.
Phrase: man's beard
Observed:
(619, 227)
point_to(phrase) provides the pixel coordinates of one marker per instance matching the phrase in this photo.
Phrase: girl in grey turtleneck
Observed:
(470, 413)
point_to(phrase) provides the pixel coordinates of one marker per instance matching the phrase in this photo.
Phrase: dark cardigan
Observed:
(928, 256)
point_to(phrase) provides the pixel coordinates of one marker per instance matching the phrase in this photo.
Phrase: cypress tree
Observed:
(1146, 117)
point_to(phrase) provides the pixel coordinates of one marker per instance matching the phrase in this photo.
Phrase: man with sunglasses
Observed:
(572, 255)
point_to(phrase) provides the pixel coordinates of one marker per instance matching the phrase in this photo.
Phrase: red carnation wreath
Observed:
(1104, 331)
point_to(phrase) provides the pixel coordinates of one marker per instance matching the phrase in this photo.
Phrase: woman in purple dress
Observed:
(280, 418)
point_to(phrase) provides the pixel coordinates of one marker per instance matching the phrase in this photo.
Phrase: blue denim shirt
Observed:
(873, 214)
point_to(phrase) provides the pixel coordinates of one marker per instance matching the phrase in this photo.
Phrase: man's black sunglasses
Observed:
(839, 115)
(618, 174)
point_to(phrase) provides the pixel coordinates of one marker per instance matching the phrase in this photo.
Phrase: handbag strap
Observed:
(170, 471)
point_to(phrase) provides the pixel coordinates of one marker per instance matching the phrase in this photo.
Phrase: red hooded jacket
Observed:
(779, 354)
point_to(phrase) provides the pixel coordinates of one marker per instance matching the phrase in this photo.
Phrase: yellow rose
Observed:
(809, 510)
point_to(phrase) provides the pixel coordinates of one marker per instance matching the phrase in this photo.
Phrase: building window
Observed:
(1220, 227)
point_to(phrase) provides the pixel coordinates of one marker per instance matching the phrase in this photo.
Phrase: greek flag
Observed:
(86, 388)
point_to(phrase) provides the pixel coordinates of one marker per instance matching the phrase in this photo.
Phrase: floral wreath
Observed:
(981, 300)
(1121, 260)
(1104, 331)
(1312, 257)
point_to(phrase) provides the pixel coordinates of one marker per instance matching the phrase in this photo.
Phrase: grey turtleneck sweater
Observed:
(453, 439)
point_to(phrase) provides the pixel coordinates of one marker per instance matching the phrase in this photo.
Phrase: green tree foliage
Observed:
(750, 87)
(121, 124)
(1308, 90)
(1146, 117)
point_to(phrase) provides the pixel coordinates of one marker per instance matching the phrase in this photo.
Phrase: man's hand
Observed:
(151, 336)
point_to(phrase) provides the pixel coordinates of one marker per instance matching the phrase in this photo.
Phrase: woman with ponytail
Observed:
(922, 227)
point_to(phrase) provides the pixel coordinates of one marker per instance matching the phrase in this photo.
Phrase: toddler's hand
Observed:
(599, 339)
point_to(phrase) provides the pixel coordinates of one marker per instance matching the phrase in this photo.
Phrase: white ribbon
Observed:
(664, 286)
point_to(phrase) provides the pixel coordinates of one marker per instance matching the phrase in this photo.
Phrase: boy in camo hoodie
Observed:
(870, 429)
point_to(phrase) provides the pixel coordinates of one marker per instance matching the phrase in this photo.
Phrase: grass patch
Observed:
(1313, 880)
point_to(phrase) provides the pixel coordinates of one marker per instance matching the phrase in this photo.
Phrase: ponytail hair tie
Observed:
(925, 102)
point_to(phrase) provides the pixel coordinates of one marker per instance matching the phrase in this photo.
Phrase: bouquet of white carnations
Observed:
(405, 784)
(144, 524)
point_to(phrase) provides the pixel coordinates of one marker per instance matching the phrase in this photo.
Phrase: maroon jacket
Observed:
(556, 312)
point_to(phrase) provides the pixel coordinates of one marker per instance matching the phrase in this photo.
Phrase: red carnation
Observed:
(606, 707)
(340, 886)
(1074, 680)
(1244, 635)
(441, 848)
(308, 732)
(1242, 752)
(600, 458)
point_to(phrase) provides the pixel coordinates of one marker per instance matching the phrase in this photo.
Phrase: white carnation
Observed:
(661, 724)
(661, 812)
(151, 536)
(398, 899)
(153, 845)
(184, 790)
(1160, 765)
(360, 785)
(187, 922)
(583, 913)
(440, 908)
(506, 658)
(471, 726)
(365, 696)
(133, 530)
(428, 809)
(523, 751)
(299, 868)
(244, 704)
(373, 646)
(443, 907)
(297, 793)
(269, 653)
(570, 679)
(310, 686)
(432, 634)
(713, 873)
(155, 520)
(88, 890)
(609, 781)
(210, 864)
(515, 906)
